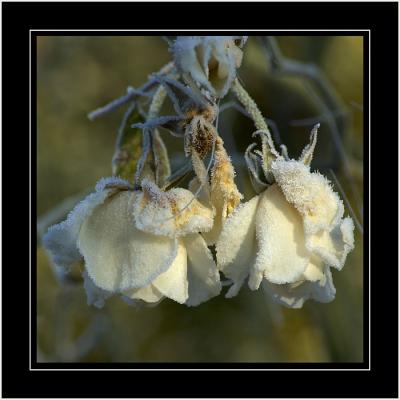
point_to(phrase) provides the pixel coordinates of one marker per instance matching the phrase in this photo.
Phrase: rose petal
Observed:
(310, 193)
(334, 246)
(236, 246)
(117, 255)
(294, 296)
(282, 255)
(149, 294)
(60, 240)
(314, 270)
(225, 196)
(203, 276)
(173, 213)
(173, 283)
(94, 295)
(184, 51)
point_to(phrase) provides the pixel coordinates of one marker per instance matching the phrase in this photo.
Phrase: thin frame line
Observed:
(369, 197)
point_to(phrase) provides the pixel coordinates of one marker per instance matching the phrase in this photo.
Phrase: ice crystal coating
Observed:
(209, 61)
(173, 213)
(115, 231)
(225, 196)
(288, 236)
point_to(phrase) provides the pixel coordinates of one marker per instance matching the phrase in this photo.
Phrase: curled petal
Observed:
(191, 215)
(310, 193)
(294, 295)
(314, 270)
(117, 255)
(174, 213)
(173, 283)
(210, 61)
(186, 58)
(149, 294)
(225, 196)
(236, 245)
(95, 296)
(333, 246)
(282, 256)
(203, 275)
(60, 240)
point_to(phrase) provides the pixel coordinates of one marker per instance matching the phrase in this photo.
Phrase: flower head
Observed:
(288, 236)
(209, 61)
(139, 244)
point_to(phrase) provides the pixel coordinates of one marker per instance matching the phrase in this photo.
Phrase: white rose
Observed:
(288, 236)
(138, 244)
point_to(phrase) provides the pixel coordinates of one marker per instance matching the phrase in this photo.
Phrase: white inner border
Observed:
(369, 198)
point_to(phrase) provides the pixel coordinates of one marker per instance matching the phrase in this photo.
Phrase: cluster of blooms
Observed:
(146, 239)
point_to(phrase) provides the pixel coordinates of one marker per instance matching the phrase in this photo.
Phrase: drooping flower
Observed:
(288, 236)
(139, 244)
(209, 61)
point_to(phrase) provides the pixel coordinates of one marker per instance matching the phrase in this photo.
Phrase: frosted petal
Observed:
(117, 255)
(94, 295)
(310, 193)
(191, 215)
(149, 294)
(225, 196)
(282, 256)
(314, 270)
(173, 213)
(294, 295)
(203, 276)
(60, 240)
(184, 50)
(333, 246)
(173, 283)
(236, 246)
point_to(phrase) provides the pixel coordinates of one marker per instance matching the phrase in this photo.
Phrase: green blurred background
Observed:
(78, 74)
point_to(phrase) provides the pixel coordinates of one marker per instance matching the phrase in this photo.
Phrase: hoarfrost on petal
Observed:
(294, 295)
(173, 283)
(236, 246)
(310, 193)
(315, 269)
(173, 213)
(225, 196)
(117, 255)
(190, 215)
(333, 246)
(282, 255)
(61, 239)
(149, 294)
(94, 295)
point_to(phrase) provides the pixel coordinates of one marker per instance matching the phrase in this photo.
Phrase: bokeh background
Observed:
(78, 74)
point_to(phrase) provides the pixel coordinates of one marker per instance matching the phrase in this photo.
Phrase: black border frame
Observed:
(18, 380)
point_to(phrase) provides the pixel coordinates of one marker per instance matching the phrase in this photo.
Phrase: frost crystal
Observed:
(288, 236)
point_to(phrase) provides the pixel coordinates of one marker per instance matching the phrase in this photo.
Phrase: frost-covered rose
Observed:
(209, 61)
(138, 244)
(288, 236)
